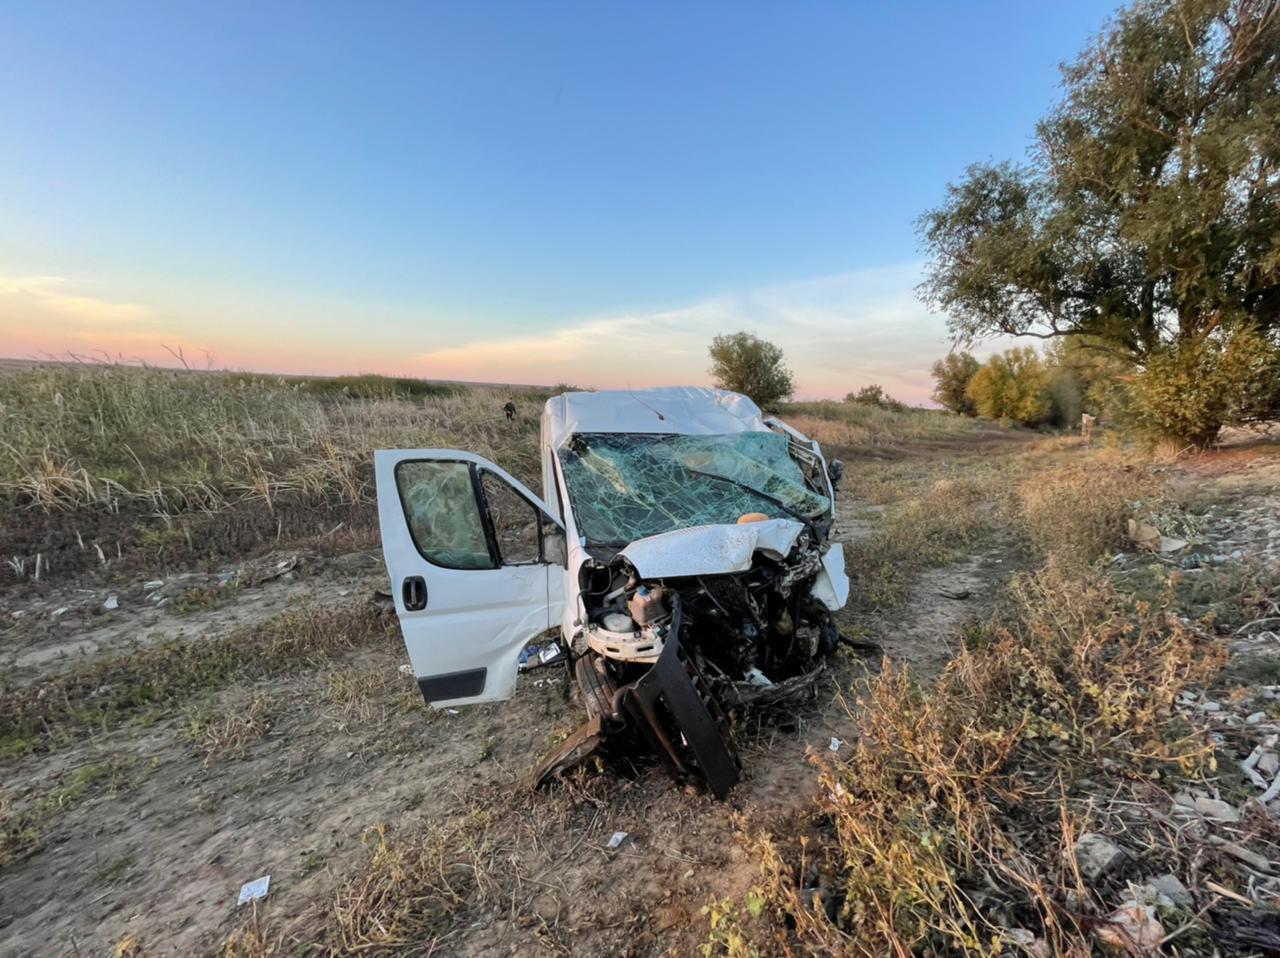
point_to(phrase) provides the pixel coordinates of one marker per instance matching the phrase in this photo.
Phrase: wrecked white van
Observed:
(682, 547)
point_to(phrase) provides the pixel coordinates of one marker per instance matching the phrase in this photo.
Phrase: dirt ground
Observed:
(144, 832)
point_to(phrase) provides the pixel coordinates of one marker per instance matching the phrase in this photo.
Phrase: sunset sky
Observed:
(524, 192)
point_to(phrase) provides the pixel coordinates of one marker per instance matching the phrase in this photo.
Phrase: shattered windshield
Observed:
(628, 486)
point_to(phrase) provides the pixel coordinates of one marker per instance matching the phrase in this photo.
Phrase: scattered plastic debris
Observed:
(254, 890)
(113, 602)
(617, 839)
(406, 669)
(1132, 929)
(535, 656)
(835, 744)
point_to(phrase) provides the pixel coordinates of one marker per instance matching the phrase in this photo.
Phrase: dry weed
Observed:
(1081, 512)
(228, 733)
(108, 690)
(954, 817)
(368, 692)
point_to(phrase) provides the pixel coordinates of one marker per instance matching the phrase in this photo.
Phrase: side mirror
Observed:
(835, 472)
(554, 548)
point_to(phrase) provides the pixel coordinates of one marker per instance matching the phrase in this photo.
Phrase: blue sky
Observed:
(523, 192)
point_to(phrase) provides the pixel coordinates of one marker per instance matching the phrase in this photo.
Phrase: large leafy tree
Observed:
(752, 366)
(951, 375)
(1148, 214)
(1012, 385)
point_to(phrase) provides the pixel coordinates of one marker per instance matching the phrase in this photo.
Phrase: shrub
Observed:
(875, 395)
(1191, 389)
(954, 815)
(1079, 514)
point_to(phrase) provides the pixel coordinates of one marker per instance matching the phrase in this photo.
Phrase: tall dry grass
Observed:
(74, 437)
(859, 424)
(104, 465)
(954, 818)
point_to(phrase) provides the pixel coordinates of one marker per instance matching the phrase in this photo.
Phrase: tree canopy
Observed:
(951, 376)
(752, 366)
(1012, 385)
(1148, 213)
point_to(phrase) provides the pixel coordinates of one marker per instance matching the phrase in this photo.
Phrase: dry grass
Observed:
(370, 692)
(1081, 512)
(104, 463)
(946, 518)
(861, 424)
(23, 823)
(229, 730)
(954, 818)
(162, 676)
(78, 437)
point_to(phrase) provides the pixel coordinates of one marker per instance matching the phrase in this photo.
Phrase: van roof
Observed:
(678, 410)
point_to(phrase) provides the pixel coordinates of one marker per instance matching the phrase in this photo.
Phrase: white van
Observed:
(682, 547)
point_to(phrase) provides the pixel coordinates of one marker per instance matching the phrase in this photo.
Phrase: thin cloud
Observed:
(34, 297)
(838, 333)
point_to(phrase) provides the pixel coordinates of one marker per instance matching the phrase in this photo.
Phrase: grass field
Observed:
(196, 690)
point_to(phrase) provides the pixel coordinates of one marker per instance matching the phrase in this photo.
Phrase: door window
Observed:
(515, 521)
(444, 518)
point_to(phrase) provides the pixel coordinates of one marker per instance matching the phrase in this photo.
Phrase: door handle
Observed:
(414, 593)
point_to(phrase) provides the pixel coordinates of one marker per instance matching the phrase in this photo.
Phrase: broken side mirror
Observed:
(835, 472)
(554, 548)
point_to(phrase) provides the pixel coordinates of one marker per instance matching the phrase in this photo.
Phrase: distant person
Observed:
(510, 410)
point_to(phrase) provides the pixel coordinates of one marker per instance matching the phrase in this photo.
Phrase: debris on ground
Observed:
(254, 890)
(616, 840)
(1132, 929)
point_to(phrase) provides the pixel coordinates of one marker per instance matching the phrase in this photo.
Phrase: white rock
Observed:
(1268, 764)
(1216, 809)
(1171, 889)
(1096, 855)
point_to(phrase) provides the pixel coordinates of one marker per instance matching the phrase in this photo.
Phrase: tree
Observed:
(1012, 385)
(1148, 215)
(875, 395)
(752, 366)
(951, 375)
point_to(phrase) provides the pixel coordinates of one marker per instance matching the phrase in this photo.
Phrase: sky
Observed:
(532, 192)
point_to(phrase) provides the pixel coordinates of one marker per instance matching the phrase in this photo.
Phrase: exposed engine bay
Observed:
(674, 660)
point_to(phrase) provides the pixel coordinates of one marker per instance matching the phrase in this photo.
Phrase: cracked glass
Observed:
(624, 486)
(444, 518)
